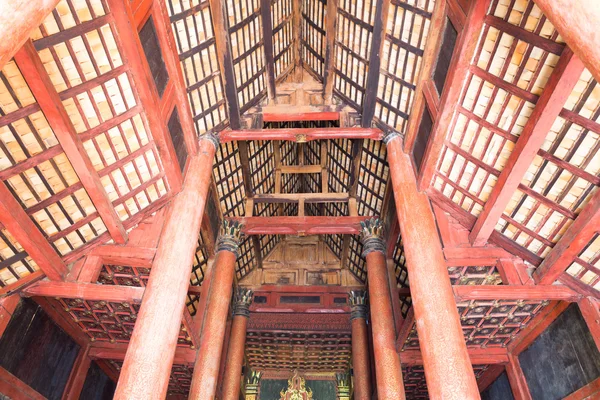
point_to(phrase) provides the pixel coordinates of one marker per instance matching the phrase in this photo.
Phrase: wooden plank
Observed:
(459, 67)
(117, 351)
(516, 378)
(267, 36)
(21, 283)
(373, 73)
(522, 34)
(300, 225)
(125, 255)
(474, 256)
(588, 392)
(14, 388)
(87, 291)
(329, 67)
(558, 89)
(300, 169)
(42, 88)
(490, 376)
(575, 239)
(300, 135)
(478, 356)
(536, 326)
(78, 374)
(305, 197)
(88, 272)
(515, 292)
(590, 309)
(578, 286)
(509, 272)
(7, 307)
(18, 223)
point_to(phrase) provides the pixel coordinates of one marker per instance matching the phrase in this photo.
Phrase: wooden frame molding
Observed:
(300, 225)
(300, 135)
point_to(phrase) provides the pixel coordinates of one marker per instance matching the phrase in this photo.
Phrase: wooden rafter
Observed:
(478, 356)
(300, 225)
(18, 223)
(117, 351)
(558, 89)
(300, 135)
(590, 309)
(267, 32)
(329, 68)
(571, 244)
(515, 292)
(49, 101)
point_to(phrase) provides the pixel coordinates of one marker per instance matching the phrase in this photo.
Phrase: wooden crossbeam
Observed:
(305, 197)
(18, 223)
(575, 239)
(46, 96)
(14, 388)
(478, 356)
(308, 115)
(556, 93)
(515, 292)
(117, 351)
(300, 225)
(300, 135)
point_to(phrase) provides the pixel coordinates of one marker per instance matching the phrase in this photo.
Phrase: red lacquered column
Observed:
(360, 346)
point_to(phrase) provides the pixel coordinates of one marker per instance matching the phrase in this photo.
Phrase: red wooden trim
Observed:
(87, 291)
(18, 223)
(304, 289)
(300, 225)
(490, 376)
(7, 308)
(478, 356)
(510, 273)
(405, 329)
(536, 326)
(459, 67)
(474, 256)
(516, 378)
(78, 374)
(588, 392)
(35, 75)
(578, 286)
(515, 292)
(522, 34)
(64, 321)
(571, 243)
(14, 388)
(301, 135)
(109, 370)
(117, 351)
(590, 309)
(90, 270)
(188, 324)
(304, 116)
(558, 89)
(21, 283)
(125, 255)
(432, 98)
(395, 300)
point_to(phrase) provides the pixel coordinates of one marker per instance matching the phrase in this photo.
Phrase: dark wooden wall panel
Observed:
(422, 137)
(562, 359)
(446, 50)
(37, 351)
(176, 131)
(97, 386)
(499, 390)
(154, 56)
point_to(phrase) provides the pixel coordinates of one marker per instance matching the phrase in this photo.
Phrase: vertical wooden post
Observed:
(387, 362)
(590, 309)
(237, 344)
(78, 374)
(329, 67)
(267, 28)
(147, 366)
(516, 378)
(372, 85)
(206, 369)
(297, 21)
(360, 346)
(446, 361)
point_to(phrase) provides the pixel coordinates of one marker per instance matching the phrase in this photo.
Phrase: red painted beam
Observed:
(18, 223)
(590, 309)
(117, 351)
(7, 307)
(589, 391)
(14, 388)
(78, 374)
(516, 378)
(536, 326)
(490, 376)
(303, 116)
(300, 225)
(478, 356)
(87, 291)
(35, 75)
(565, 76)
(515, 292)
(571, 243)
(301, 135)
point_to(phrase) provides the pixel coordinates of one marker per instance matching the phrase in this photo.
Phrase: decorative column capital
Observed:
(251, 382)
(358, 304)
(212, 138)
(371, 236)
(242, 301)
(389, 136)
(343, 384)
(229, 236)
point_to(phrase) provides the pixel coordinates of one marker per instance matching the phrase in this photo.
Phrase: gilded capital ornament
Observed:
(229, 236)
(358, 304)
(371, 236)
(242, 301)
(389, 136)
(213, 138)
(343, 385)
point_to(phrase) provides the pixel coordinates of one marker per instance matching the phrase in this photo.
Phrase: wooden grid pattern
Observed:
(307, 351)
(490, 323)
(245, 29)
(313, 37)
(227, 173)
(586, 266)
(283, 37)
(15, 263)
(401, 273)
(355, 20)
(180, 379)
(404, 44)
(194, 33)
(107, 321)
(415, 386)
(479, 275)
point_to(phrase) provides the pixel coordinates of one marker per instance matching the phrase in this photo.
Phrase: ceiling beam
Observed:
(372, 83)
(577, 22)
(514, 292)
(563, 79)
(478, 356)
(571, 244)
(300, 225)
(300, 135)
(116, 351)
(267, 36)
(22, 228)
(35, 75)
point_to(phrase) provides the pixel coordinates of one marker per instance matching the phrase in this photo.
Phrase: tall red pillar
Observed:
(206, 368)
(448, 370)
(237, 344)
(360, 346)
(387, 362)
(147, 366)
